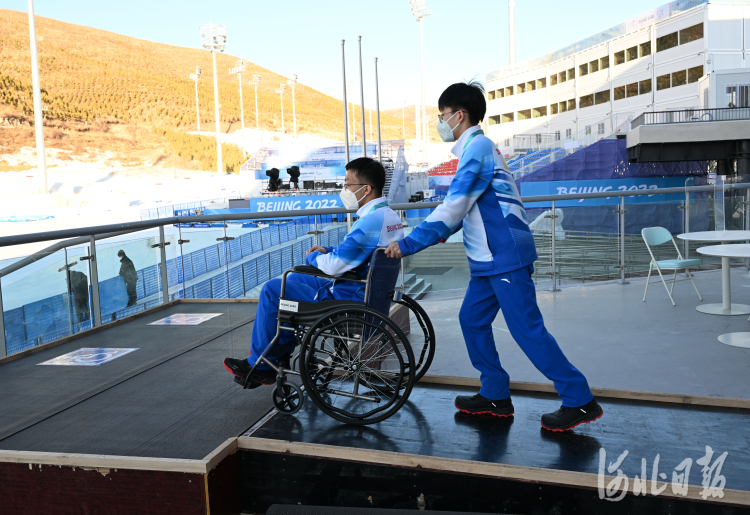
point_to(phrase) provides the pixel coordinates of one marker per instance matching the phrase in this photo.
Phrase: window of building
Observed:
(494, 120)
(538, 138)
(509, 91)
(557, 135)
(539, 111)
(563, 76)
(553, 80)
(554, 108)
(632, 89)
(583, 69)
(524, 114)
(604, 63)
(619, 57)
(666, 42)
(644, 87)
(568, 132)
(737, 95)
(691, 33)
(491, 95)
(645, 48)
(521, 88)
(541, 83)
(531, 85)
(572, 73)
(588, 129)
(620, 93)
(679, 78)
(632, 53)
(571, 104)
(594, 66)
(507, 117)
(662, 82)
(586, 101)
(694, 74)
(500, 93)
(600, 128)
(601, 97)
(507, 142)
(563, 106)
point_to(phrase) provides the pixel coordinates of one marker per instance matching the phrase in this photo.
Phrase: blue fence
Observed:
(255, 259)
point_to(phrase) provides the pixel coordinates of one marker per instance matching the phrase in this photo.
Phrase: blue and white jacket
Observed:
(483, 199)
(378, 226)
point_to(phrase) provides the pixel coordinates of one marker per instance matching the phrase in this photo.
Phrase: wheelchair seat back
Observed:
(383, 278)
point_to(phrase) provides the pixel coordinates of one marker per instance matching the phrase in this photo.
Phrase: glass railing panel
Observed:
(202, 258)
(129, 278)
(719, 213)
(78, 277)
(36, 304)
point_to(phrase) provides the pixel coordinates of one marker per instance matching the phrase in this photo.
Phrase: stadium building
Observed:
(666, 59)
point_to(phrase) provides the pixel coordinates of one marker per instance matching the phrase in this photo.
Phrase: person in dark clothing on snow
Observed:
(130, 276)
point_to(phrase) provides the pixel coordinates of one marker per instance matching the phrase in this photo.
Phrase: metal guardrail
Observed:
(692, 115)
(94, 233)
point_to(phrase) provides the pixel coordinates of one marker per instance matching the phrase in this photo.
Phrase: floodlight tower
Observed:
(215, 38)
(419, 10)
(38, 113)
(291, 83)
(237, 70)
(280, 91)
(195, 76)
(256, 82)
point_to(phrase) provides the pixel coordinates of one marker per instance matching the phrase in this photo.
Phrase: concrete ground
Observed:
(617, 340)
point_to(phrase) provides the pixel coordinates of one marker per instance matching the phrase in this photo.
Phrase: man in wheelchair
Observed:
(378, 226)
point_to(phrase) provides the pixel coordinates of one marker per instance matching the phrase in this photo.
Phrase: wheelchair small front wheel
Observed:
(287, 398)
(353, 366)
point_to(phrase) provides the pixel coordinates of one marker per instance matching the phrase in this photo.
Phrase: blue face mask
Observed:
(445, 130)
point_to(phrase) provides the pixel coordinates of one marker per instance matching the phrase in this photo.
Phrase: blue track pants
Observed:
(306, 288)
(515, 295)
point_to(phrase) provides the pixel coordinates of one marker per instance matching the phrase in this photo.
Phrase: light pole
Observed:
(346, 102)
(215, 38)
(38, 114)
(419, 10)
(403, 121)
(256, 82)
(280, 91)
(238, 71)
(291, 83)
(195, 76)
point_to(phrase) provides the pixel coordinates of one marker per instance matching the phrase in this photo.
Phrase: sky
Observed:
(462, 39)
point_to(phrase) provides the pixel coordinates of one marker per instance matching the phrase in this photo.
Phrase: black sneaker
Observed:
(240, 368)
(568, 418)
(478, 405)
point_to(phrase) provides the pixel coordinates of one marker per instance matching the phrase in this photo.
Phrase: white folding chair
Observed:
(656, 236)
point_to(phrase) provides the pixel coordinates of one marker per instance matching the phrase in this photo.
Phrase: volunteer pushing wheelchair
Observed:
(362, 345)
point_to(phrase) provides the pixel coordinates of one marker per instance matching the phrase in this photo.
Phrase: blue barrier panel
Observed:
(150, 280)
(128, 311)
(113, 295)
(199, 262)
(246, 244)
(265, 236)
(333, 238)
(264, 272)
(274, 233)
(151, 304)
(212, 257)
(287, 258)
(219, 286)
(55, 335)
(257, 243)
(235, 250)
(173, 275)
(323, 239)
(250, 274)
(15, 329)
(275, 260)
(20, 346)
(188, 293)
(46, 316)
(291, 231)
(223, 248)
(283, 233)
(83, 326)
(202, 290)
(298, 253)
(187, 269)
(236, 284)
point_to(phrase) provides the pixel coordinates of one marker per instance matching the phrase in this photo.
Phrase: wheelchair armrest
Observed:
(311, 270)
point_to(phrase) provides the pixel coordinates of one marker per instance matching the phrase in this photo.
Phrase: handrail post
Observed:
(164, 275)
(552, 217)
(622, 241)
(97, 321)
(3, 350)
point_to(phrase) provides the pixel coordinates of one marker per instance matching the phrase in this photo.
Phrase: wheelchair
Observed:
(356, 363)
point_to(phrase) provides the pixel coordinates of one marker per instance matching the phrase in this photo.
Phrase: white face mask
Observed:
(445, 130)
(349, 198)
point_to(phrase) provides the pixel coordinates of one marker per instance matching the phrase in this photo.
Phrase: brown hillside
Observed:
(90, 75)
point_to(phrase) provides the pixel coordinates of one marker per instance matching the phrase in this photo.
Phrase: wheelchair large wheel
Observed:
(416, 325)
(353, 367)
